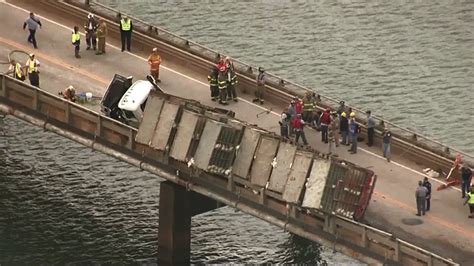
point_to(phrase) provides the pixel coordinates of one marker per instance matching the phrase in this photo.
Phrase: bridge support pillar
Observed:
(177, 206)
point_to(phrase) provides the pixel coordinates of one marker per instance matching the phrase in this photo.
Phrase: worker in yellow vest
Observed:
(17, 70)
(154, 60)
(32, 65)
(126, 29)
(76, 41)
(470, 202)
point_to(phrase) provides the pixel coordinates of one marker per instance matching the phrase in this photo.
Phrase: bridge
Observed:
(381, 238)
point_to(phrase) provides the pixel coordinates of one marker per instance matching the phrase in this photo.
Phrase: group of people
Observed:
(96, 33)
(223, 81)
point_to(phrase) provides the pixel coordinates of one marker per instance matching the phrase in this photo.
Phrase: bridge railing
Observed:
(286, 86)
(116, 139)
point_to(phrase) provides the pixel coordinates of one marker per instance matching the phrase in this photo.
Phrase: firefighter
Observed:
(231, 80)
(222, 83)
(260, 92)
(308, 108)
(101, 35)
(76, 41)
(212, 78)
(154, 60)
(298, 126)
(32, 66)
(90, 27)
(17, 70)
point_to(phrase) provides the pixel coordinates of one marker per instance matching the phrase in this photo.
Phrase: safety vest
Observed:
(18, 71)
(32, 65)
(75, 37)
(471, 198)
(125, 25)
(308, 106)
(155, 61)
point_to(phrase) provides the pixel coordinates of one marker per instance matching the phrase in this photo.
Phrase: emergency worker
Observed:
(353, 133)
(90, 28)
(308, 107)
(344, 128)
(222, 83)
(154, 60)
(466, 177)
(17, 70)
(76, 41)
(101, 35)
(214, 87)
(470, 202)
(427, 185)
(298, 127)
(325, 120)
(32, 66)
(260, 92)
(231, 80)
(126, 29)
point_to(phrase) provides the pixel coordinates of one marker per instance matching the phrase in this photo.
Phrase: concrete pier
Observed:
(177, 206)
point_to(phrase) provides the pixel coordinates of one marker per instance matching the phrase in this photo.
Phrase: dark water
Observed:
(63, 203)
(411, 62)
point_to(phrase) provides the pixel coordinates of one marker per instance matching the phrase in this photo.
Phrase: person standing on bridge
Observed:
(101, 34)
(17, 70)
(76, 41)
(222, 83)
(90, 27)
(325, 120)
(386, 139)
(154, 60)
(370, 129)
(33, 65)
(470, 202)
(261, 80)
(427, 185)
(298, 126)
(33, 23)
(353, 133)
(344, 128)
(466, 176)
(214, 87)
(126, 29)
(231, 80)
(420, 195)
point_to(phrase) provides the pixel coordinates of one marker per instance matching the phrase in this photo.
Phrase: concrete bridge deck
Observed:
(445, 230)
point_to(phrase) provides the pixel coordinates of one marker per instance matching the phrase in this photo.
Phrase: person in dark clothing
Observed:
(420, 195)
(284, 125)
(344, 128)
(386, 139)
(427, 185)
(298, 126)
(212, 78)
(33, 23)
(466, 175)
(370, 129)
(90, 27)
(126, 29)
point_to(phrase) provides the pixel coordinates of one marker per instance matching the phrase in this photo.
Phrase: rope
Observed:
(9, 59)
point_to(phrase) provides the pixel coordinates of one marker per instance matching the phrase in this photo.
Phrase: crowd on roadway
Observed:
(337, 127)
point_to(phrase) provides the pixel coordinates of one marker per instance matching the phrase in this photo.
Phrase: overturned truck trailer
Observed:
(207, 141)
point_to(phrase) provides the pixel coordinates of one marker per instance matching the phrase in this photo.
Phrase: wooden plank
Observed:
(150, 119)
(245, 152)
(184, 135)
(282, 167)
(297, 178)
(262, 163)
(165, 124)
(316, 183)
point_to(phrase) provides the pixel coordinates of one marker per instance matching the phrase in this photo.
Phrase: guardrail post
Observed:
(397, 255)
(67, 112)
(35, 99)
(329, 224)
(3, 87)
(98, 129)
(364, 240)
(131, 141)
(430, 260)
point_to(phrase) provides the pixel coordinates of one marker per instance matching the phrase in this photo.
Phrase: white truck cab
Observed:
(132, 101)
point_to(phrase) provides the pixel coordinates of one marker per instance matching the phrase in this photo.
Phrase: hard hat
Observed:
(261, 69)
(70, 87)
(353, 114)
(343, 114)
(155, 49)
(32, 54)
(90, 15)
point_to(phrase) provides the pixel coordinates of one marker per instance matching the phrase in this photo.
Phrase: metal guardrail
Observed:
(243, 67)
(118, 140)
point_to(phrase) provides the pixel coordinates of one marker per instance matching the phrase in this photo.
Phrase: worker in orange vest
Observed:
(154, 60)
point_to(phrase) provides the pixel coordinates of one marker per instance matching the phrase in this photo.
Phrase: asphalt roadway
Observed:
(445, 230)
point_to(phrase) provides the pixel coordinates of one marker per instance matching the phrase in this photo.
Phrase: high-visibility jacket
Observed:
(32, 65)
(212, 78)
(154, 60)
(18, 72)
(298, 123)
(75, 37)
(125, 25)
(222, 81)
(471, 198)
(308, 105)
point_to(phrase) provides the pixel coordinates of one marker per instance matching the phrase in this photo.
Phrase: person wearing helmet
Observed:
(325, 120)
(214, 87)
(353, 133)
(298, 126)
(344, 128)
(261, 80)
(154, 60)
(32, 65)
(76, 41)
(222, 83)
(231, 80)
(90, 27)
